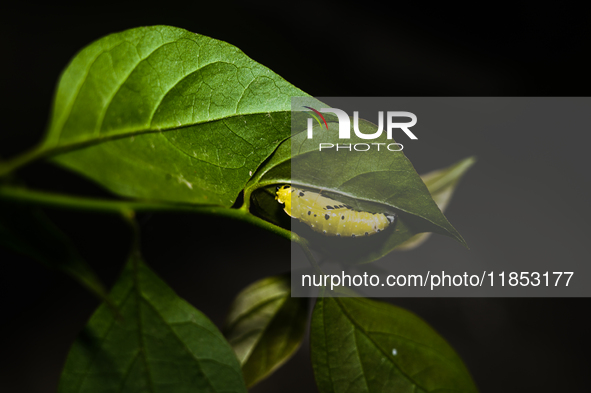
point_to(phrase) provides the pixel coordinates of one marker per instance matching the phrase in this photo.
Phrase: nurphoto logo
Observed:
(392, 123)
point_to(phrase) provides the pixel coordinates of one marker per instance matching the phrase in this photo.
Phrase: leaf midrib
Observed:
(257, 307)
(50, 151)
(140, 297)
(113, 321)
(265, 328)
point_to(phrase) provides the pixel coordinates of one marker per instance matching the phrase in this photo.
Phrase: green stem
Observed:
(127, 209)
(23, 195)
(304, 244)
(10, 166)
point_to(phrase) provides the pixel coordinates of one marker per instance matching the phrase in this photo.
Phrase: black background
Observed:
(341, 49)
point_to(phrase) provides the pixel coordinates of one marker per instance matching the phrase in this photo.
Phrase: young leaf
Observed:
(379, 180)
(441, 184)
(160, 344)
(161, 113)
(266, 326)
(360, 345)
(28, 230)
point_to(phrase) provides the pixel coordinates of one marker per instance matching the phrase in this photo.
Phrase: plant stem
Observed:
(304, 244)
(23, 195)
(8, 167)
(127, 209)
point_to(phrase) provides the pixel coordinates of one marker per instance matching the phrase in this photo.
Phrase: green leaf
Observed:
(161, 344)
(360, 345)
(29, 231)
(441, 184)
(266, 326)
(165, 114)
(376, 181)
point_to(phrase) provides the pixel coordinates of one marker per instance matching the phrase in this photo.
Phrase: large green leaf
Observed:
(360, 345)
(29, 231)
(160, 344)
(162, 113)
(378, 181)
(441, 184)
(266, 326)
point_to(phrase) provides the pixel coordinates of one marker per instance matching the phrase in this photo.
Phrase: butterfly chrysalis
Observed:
(330, 217)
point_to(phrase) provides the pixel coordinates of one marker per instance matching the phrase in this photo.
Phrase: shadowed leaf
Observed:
(160, 344)
(266, 326)
(27, 230)
(442, 184)
(374, 181)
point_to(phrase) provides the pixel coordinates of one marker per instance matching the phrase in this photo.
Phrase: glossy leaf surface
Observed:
(161, 113)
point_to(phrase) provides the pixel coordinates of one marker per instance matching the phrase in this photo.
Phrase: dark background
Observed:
(340, 49)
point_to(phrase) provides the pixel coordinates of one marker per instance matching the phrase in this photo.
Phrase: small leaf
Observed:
(161, 344)
(161, 113)
(266, 326)
(442, 184)
(360, 345)
(377, 181)
(28, 230)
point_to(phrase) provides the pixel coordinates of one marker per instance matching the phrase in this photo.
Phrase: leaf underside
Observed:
(266, 326)
(375, 181)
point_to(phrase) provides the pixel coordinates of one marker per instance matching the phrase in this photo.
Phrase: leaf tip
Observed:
(468, 162)
(463, 242)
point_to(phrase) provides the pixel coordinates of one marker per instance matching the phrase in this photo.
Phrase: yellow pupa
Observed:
(328, 216)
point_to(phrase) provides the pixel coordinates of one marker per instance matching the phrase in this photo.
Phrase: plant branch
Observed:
(127, 209)
(27, 196)
(7, 167)
(304, 244)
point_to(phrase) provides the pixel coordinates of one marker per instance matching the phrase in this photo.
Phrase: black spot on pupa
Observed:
(286, 186)
(353, 235)
(301, 193)
(309, 212)
(329, 207)
(366, 234)
(378, 230)
(314, 215)
(338, 234)
(342, 217)
(326, 216)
